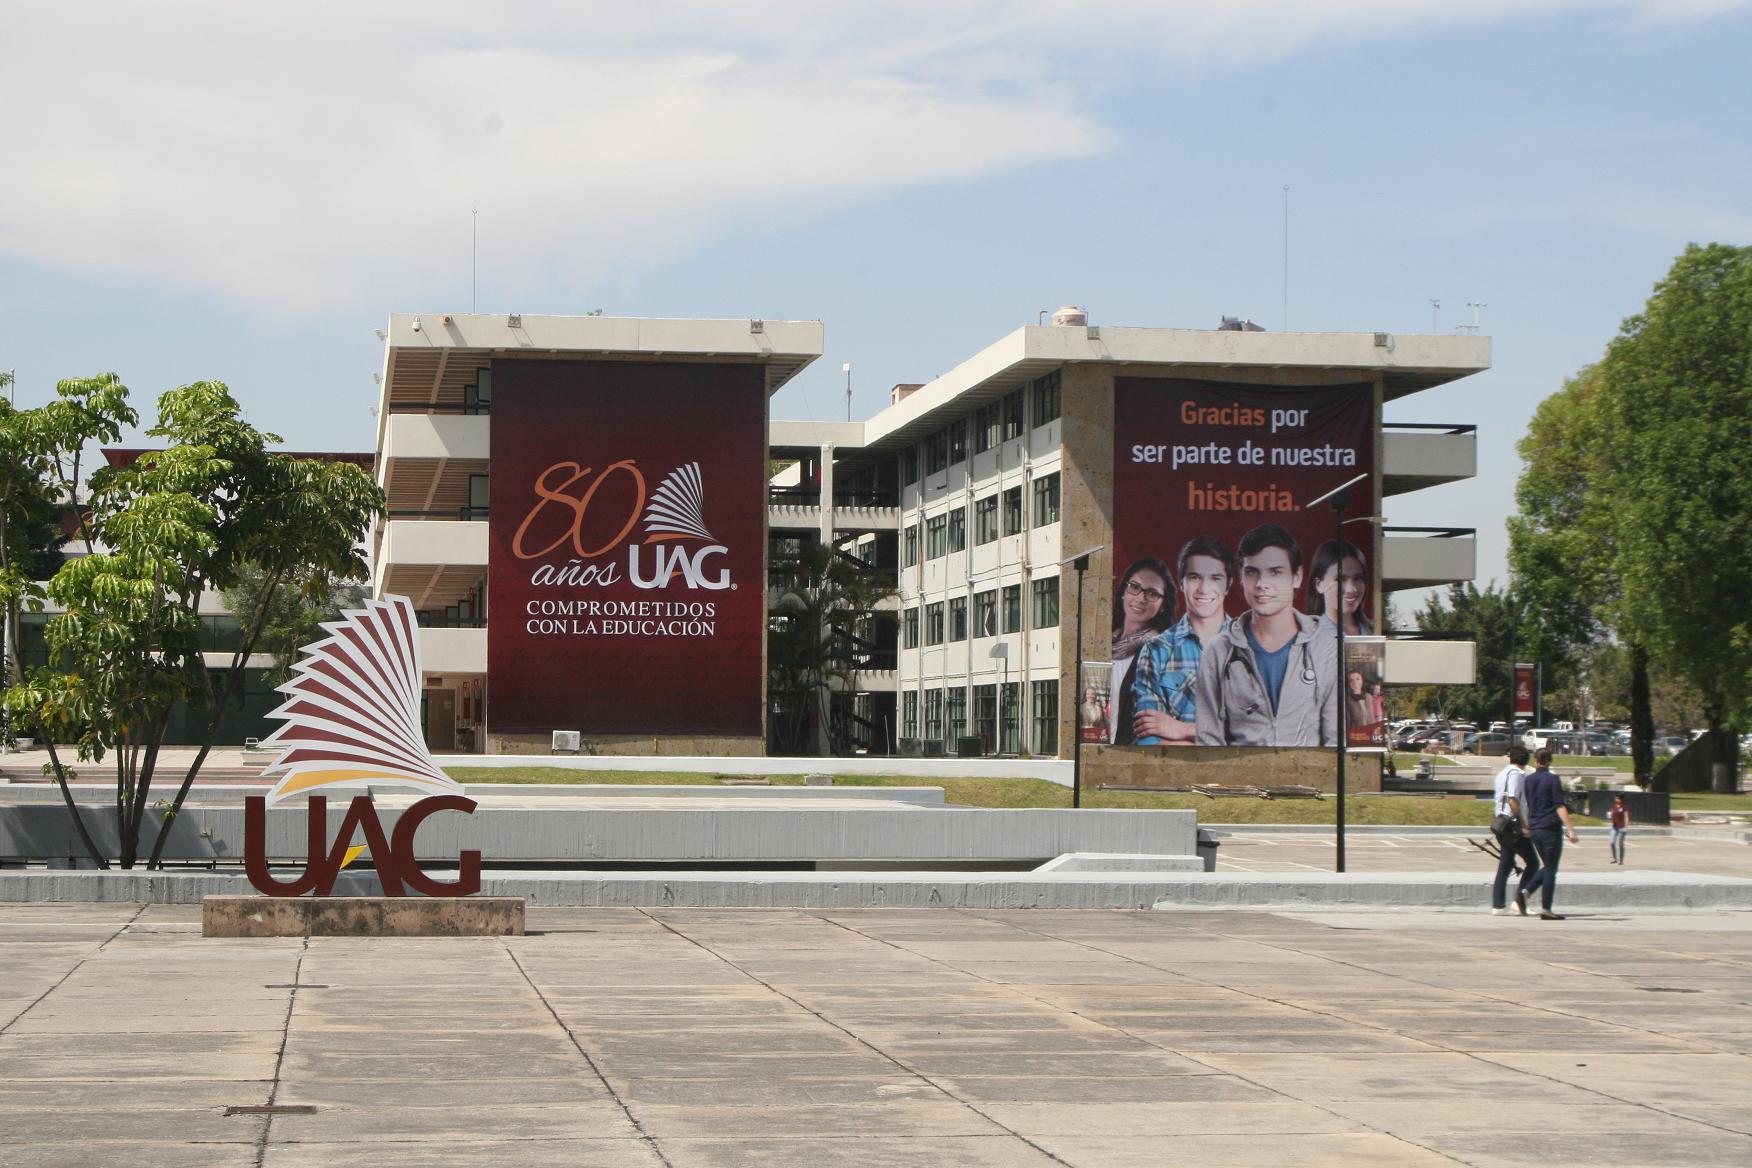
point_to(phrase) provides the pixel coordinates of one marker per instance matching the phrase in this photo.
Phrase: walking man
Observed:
(1509, 825)
(1550, 823)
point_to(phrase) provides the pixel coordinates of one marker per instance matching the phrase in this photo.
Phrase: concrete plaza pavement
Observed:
(798, 1038)
(1275, 848)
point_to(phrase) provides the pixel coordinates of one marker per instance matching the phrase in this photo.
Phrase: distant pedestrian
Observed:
(1509, 824)
(1620, 818)
(1549, 820)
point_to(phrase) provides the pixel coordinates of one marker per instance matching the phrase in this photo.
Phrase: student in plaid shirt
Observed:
(1162, 689)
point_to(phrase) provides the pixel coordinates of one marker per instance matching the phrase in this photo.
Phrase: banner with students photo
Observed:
(1227, 579)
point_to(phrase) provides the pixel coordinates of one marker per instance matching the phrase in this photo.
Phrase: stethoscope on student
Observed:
(1309, 677)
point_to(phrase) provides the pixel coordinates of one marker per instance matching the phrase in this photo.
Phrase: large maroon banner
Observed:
(1227, 583)
(627, 557)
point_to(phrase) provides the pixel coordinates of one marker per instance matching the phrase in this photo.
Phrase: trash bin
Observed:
(1207, 848)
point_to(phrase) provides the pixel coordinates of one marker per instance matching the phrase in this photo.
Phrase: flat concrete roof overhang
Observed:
(430, 356)
(1406, 363)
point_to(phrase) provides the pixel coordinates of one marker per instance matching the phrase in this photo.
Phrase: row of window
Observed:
(947, 620)
(989, 425)
(996, 715)
(947, 532)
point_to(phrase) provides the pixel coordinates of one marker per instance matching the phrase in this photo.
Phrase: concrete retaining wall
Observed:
(563, 834)
(1067, 890)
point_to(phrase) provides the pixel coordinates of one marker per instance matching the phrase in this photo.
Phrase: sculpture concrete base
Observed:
(361, 916)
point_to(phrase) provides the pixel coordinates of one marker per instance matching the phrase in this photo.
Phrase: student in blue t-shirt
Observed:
(1548, 821)
(1270, 678)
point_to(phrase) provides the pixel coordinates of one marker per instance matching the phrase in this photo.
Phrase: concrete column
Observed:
(826, 465)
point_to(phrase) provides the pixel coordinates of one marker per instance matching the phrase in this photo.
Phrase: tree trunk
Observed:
(1642, 719)
(72, 807)
(1724, 758)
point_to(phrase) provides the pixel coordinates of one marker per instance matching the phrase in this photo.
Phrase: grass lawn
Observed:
(1359, 809)
(1709, 801)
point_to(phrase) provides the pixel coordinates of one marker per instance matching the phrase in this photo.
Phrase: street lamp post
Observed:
(1340, 497)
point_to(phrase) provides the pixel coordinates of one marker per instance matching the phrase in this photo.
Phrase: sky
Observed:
(204, 190)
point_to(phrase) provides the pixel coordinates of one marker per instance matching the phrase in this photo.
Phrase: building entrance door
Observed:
(441, 720)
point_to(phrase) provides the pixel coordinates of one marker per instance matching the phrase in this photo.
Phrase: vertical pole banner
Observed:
(1212, 544)
(627, 548)
(1526, 689)
(1365, 713)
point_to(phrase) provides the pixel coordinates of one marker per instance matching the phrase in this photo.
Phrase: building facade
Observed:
(965, 496)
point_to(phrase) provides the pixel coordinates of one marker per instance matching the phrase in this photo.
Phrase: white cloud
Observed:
(296, 156)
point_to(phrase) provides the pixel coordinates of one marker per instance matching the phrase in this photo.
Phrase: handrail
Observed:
(469, 514)
(1433, 532)
(1444, 427)
(440, 408)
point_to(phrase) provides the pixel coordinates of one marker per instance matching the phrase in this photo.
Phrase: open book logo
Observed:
(352, 709)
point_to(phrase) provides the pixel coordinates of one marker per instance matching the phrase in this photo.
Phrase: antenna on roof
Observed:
(1286, 257)
(474, 252)
(1435, 307)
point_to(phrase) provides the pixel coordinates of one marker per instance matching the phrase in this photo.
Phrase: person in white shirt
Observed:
(1509, 825)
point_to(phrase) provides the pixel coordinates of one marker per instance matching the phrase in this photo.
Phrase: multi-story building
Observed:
(969, 492)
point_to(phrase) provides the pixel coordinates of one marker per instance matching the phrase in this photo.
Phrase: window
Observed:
(936, 536)
(909, 715)
(1046, 398)
(1013, 416)
(1012, 608)
(1010, 717)
(985, 519)
(985, 715)
(1013, 511)
(910, 554)
(985, 613)
(1046, 717)
(955, 713)
(1046, 500)
(909, 629)
(958, 529)
(937, 452)
(909, 465)
(934, 715)
(958, 618)
(934, 623)
(957, 441)
(987, 428)
(480, 490)
(1046, 603)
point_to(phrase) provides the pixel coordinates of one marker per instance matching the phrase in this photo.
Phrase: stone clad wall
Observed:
(633, 744)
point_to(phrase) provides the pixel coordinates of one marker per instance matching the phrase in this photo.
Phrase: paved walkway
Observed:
(781, 1038)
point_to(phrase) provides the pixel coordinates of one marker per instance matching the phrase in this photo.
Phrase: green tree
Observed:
(822, 598)
(1677, 424)
(1489, 621)
(1562, 552)
(184, 520)
(295, 611)
(41, 452)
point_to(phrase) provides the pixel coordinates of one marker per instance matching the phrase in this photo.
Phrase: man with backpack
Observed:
(1509, 825)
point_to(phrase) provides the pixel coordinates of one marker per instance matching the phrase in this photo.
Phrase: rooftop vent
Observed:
(1070, 316)
(1235, 324)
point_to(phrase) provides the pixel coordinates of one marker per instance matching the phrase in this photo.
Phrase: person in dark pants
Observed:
(1550, 823)
(1511, 810)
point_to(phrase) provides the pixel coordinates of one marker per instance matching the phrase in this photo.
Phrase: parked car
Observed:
(1671, 744)
(1486, 742)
